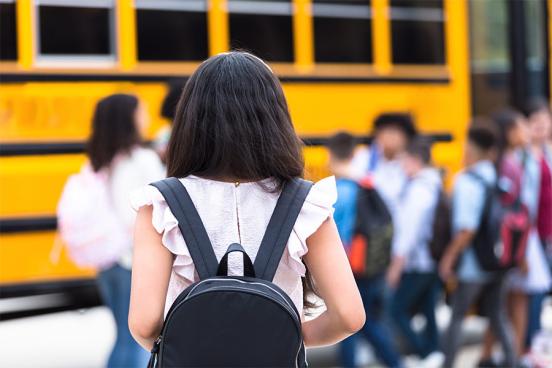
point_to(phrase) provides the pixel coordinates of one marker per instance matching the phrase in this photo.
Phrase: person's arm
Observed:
(467, 207)
(151, 270)
(459, 242)
(336, 285)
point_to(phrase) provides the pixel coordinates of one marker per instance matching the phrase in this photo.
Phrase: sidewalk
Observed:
(82, 339)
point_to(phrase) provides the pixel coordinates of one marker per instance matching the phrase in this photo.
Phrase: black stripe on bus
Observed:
(50, 148)
(27, 224)
(56, 148)
(69, 294)
(31, 77)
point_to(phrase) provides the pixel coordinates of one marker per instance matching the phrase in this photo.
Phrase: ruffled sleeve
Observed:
(166, 224)
(318, 207)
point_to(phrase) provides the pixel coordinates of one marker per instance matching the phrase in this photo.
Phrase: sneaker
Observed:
(433, 360)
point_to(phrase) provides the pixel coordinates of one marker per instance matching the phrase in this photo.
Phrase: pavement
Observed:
(82, 339)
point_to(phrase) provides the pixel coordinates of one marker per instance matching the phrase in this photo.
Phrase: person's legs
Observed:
(107, 285)
(518, 303)
(494, 304)
(375, 331)
(347, 352)
(130, 353)
(462, 299)
(534, 317)
(412, 288)
(429, 303)
(114, 286)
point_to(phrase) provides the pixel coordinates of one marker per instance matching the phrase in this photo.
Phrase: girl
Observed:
(513, 137)
(538, 182)
(114, 149)
(233, 147)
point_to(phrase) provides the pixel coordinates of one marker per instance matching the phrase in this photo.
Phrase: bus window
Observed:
(171, 30)
(342, 31)
(535, 35)
(262, 27)
(82, 29)
(417, 32)
(8, 44)
(491, 64)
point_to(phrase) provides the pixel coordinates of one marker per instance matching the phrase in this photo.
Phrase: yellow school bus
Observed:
(341, 62)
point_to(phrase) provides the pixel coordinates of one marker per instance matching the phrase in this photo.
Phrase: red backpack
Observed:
(500, 242)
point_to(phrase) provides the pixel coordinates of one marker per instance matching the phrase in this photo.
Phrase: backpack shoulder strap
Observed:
(280, 226)
(191, 227)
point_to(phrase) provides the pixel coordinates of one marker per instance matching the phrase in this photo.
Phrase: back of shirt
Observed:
(468, 199)
(345, 209)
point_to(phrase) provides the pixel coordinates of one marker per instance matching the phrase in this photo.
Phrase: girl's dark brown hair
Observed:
(232, 121)
(505, 120)
(113, 129)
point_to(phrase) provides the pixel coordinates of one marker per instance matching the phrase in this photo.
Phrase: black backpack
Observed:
(500, 241)
(442, 227)
(232, 321)
(370, 251)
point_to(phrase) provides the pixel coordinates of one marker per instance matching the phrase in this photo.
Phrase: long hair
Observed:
(113, 129)
(505, 121)
(232, 121)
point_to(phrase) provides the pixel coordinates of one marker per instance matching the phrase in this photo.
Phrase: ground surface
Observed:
(82, 339)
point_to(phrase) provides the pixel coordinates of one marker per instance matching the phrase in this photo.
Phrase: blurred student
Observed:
(537, 192)
(381, 163)
(341, 147)
(412, 274)
(468, 200)
(511, 164)
(95, 217)
(234, 156)
(392, 133)
(168, 110)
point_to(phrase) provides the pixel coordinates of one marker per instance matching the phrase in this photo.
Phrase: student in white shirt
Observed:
(412, 273)
(392, 133)
(114, 148)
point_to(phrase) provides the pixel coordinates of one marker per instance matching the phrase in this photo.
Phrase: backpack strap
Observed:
(191, 227)
(280, 226)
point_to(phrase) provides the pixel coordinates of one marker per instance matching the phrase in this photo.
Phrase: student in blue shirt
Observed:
(468, 198)
(341, 147)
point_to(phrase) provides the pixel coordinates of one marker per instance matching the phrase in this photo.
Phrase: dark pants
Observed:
(534, 317)
(114, 285)
(493, 302)
(417, 293)
(372, 291)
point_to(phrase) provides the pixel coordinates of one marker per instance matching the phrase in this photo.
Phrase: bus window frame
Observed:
(218, 29)
(84, 61)
(399, 13)
(240, 7)
(186, 66)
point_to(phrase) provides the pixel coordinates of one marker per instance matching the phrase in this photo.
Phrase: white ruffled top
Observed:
(237, 213)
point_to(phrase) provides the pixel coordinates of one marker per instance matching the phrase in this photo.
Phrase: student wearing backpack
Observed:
(379, 171)
(468, 199)
(537, 194)
(234, 150)
(412, 273)
(392, 133)
(94, 217)
(341, 147)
